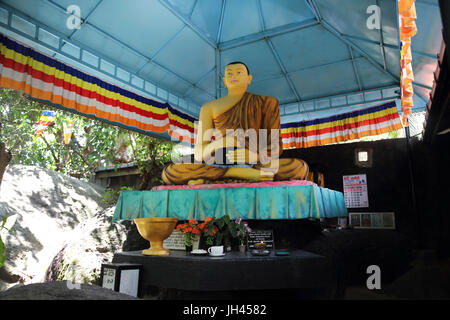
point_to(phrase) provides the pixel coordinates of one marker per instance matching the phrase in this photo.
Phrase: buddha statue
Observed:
(244, 129)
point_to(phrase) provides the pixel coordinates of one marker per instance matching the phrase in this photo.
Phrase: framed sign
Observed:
(372, 220)
(355, 191)
(109, 279)
(121, 277)
(176, 242)
(258, 236)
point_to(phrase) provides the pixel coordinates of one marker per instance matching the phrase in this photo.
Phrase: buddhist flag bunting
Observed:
(341, 127)
(68, 128)
(46, 78)
(45, 119)
(408, 28)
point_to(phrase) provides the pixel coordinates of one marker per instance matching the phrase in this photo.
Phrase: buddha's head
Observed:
(237, 76)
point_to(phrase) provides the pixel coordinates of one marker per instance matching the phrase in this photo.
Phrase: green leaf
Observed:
(232, 229)
(220, 223)
(219, 238)
(2, 252)
(226, 219)
(5, 217)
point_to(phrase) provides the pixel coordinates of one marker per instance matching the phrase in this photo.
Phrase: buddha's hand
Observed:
(224, 142)
(242, 155)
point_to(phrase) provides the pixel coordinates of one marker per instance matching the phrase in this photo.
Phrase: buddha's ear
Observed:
(224, 82)
(250, 77)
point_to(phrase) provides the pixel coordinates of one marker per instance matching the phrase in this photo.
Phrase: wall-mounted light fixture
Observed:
(363, 157)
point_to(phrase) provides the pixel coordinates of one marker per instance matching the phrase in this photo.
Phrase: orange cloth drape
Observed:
(408, 28)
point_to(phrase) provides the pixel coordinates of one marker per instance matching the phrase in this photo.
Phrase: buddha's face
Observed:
(236, 76)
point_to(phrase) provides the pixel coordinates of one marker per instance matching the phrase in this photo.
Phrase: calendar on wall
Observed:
(355, 191)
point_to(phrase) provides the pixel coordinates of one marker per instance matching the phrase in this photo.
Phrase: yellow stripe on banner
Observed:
(338, 123)
(45, 118)
(180, 120)
(59, 74)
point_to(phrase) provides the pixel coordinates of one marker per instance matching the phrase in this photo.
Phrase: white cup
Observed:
(215, 250)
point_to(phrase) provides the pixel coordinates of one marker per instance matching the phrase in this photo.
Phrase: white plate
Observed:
(199, 251)
(216, 255)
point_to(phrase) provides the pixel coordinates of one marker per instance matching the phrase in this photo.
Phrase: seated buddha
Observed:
(244, 129)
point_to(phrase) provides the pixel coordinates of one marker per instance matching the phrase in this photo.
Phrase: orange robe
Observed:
(251, 112)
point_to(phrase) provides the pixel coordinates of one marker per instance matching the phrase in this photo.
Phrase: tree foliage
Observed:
(93, 144)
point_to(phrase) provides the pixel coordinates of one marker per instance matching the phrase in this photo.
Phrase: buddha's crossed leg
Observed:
(285, 169)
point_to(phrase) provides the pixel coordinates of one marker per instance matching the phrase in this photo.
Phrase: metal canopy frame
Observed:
(137, 81)
(138, 53)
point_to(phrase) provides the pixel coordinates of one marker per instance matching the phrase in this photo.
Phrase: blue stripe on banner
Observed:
(48, 114)
(17, 47)
(339, 116)
(180, 114)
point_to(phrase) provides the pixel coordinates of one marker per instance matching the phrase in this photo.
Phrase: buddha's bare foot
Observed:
(266, 176)
(249, 174)
(195, 182)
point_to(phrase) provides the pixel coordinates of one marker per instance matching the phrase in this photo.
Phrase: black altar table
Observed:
(234, 271)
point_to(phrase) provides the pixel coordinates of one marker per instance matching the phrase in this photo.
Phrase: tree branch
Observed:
(131, 144)
(57, 161)
(75, 146)
(5, 158)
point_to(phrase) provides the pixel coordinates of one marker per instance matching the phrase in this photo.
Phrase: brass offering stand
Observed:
(260, 249)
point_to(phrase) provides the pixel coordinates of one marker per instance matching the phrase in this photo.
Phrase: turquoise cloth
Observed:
(287, 202)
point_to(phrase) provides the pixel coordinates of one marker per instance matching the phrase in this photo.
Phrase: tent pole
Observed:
(413, 188)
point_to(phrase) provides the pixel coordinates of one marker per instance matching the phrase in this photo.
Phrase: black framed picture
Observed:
(372, 220)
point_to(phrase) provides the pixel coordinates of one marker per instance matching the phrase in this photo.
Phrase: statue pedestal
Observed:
(296, 199)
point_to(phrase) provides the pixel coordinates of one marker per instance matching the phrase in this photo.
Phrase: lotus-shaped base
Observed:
(260, 246)
(156, 230)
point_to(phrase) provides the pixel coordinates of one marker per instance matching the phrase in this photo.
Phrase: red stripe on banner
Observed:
(347, 126)
(180, 137)
(181, 125)
(43, 123)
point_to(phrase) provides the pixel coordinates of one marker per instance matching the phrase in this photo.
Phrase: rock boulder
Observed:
(62, 290)
(44, 208)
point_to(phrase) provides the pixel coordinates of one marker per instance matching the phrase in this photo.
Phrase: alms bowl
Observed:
(156, 230)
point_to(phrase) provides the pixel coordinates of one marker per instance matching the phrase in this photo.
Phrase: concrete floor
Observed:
(427, 279)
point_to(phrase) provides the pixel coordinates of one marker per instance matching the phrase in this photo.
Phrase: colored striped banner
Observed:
(46, 78)
(348, 126)
(407, 30)
(45, 119)
(68, 129)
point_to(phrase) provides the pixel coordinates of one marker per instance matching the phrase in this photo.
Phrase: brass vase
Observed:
(156, 230)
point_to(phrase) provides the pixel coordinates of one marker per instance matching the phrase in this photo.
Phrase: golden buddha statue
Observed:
(244, 127)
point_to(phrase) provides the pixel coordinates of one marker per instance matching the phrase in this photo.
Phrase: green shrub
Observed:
(2, 245)
(111, 196)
